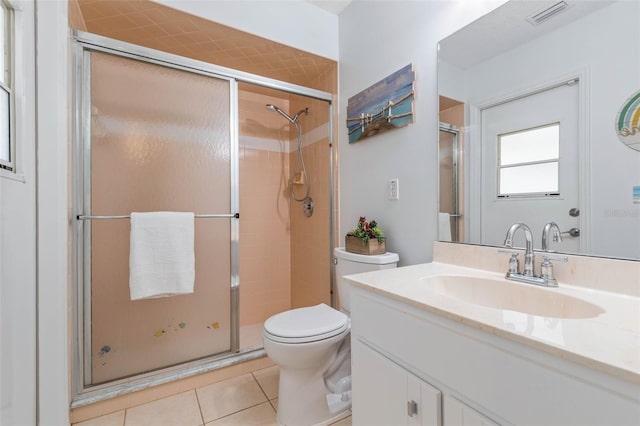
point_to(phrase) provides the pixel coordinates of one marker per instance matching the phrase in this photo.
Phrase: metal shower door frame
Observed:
(83, 198)
(82, 46)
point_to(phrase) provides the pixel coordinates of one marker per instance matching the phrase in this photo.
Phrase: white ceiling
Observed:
(332, 6)
(507, 27)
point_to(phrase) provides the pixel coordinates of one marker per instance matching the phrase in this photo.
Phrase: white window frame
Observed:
(544, 194)
(8, 169)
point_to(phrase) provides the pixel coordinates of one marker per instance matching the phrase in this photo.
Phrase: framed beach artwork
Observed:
(386, 105)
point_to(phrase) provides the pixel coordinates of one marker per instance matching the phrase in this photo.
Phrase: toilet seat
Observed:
(304, 325)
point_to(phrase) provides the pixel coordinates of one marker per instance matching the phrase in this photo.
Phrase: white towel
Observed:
(444, 227)
(161, 258)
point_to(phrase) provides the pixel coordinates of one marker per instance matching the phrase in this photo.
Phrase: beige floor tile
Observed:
(227, 397)
(268, 380)
(274, 402)
(177, 410)
(86, 412)
(113, 419)
(262, 414)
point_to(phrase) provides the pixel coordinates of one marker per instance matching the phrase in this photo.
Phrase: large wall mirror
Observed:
(529, 96)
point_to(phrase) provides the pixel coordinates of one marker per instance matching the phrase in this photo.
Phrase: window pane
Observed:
(533, 178)
(3, 43)
(539, 144)
(5, 139)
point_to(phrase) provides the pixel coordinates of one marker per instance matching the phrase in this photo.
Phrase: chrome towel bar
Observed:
(199, 216)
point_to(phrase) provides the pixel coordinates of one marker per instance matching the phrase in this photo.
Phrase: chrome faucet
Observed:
(546, 278)
(551, 226)
(528, 253)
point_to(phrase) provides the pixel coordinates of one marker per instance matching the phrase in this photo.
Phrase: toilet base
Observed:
(302, 399)
(346, 413)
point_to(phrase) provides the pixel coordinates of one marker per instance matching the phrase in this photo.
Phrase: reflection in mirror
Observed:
(628, 122)
(449, 172)
(528, 132)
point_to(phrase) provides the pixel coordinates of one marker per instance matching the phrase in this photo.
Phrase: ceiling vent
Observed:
(540, 16)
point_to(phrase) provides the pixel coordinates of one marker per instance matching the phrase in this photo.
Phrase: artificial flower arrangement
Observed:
(370, 236)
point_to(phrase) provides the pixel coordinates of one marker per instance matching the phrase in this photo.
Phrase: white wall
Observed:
(294, 23)
(376, 39)
(53, 219)
(18, 242)
(598, 45)
(34, 366)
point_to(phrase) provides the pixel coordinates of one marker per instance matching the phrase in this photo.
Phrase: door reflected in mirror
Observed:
(569, 75)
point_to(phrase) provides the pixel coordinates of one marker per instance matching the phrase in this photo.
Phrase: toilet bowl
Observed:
(312, 347)
(304, 360)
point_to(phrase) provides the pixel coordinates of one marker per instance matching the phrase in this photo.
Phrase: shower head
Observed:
(272, 107)
(285, 115)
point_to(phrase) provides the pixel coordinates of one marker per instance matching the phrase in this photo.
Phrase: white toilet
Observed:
(312, 347)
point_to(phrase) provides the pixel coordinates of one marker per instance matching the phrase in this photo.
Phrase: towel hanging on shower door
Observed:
(444, 227)
(161, 258)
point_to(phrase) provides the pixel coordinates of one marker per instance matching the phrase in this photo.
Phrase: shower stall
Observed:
(159, 132)
(449, 178)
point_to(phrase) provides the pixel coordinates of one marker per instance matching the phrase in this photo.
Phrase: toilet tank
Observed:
(352, 263)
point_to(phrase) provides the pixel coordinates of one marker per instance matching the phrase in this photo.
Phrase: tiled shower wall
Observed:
(284, 255)
(265, 280)
(310, 245)
(311, 265)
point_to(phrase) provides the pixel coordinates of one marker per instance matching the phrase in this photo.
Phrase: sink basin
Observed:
(503, 294)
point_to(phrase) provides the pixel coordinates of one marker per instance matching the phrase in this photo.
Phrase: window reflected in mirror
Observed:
(528, 162)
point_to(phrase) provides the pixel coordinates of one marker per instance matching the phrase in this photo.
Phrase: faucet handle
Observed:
(514, 263)
(546, 268)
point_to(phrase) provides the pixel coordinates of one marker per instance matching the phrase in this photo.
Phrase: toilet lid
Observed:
(307, 324)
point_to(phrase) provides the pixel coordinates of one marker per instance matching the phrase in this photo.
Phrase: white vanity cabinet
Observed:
(459, 414)
(391, 395)
(386, 394)
(468, 375)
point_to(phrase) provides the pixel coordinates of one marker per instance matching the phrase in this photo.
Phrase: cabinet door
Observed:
(427, 400)
(385, 394)
(379, 389)
(458, 414)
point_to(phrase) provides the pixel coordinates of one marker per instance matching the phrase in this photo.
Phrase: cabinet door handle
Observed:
(412, 408)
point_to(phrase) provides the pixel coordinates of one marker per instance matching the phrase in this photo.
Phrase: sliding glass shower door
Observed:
(158, 138)
(449, 180)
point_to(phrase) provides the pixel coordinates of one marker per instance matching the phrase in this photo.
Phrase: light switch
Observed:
(394, 189)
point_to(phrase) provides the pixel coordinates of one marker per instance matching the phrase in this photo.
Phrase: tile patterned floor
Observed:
(250, 399)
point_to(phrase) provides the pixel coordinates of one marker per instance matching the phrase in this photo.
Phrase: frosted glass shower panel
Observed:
(160, 141)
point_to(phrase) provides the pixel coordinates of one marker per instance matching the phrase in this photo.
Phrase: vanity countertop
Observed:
(608, 342)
